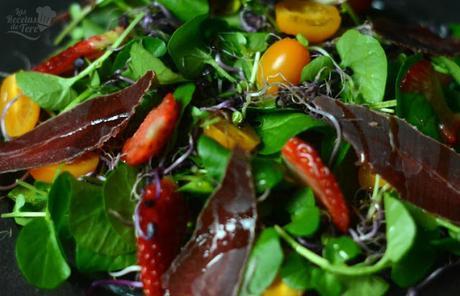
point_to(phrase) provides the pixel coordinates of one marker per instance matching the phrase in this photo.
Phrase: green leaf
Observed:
(184, 95)
(155, 46)
(214, 157)
(326, 283)
(39, 255)
(321, 65)
(341, 250)
(186, 48)
(186, 10)
(263, 264)
(367, 285)
(90, 225)
(59, 202)
(117, 199)
(366, 57)
(296, 272)
(455, 29)
(267, 173)
(305, 216)
(401, 229)
(275, 129)
(452, 67)
(143, 61)
(48, 91)
(88, 261)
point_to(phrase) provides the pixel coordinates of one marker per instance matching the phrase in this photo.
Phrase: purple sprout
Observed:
(113, 282)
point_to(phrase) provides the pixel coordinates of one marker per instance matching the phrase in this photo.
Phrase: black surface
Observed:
(12, 47)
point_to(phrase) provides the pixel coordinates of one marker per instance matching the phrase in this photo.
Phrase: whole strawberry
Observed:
(163, 220)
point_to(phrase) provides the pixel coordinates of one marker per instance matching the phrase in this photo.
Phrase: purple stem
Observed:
(108, 282)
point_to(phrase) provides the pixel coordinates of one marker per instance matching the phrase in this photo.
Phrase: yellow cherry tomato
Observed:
(230, 136)
(316, 21)
(367, 178)
(23, 115)
(279, 288)
(282, 63)
(77, 168)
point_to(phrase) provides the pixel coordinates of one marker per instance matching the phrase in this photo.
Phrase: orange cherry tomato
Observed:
(316, 21)
(230, 136)
(77, 168)
(23, 115)
(367, 178)
(282, 63)
(279, 288)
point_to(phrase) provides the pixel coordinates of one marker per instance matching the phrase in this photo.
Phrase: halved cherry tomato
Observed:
(23, 115)
(279, 288)
(282, 63)
(78, 167)
(230, 136)
(367, 178)
(316, 21)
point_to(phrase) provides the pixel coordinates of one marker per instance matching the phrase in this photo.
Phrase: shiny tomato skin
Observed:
(23, 115)
(282, 63)
(315, 21)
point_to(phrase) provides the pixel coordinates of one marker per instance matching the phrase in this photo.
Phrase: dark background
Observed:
(17, 53)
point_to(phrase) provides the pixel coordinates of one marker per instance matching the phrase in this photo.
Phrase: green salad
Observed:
(243, 147)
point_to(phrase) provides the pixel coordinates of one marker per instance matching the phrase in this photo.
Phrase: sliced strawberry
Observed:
(305, 162)
(164, 218)
(91, 48)
(421, 78)
(153, 134)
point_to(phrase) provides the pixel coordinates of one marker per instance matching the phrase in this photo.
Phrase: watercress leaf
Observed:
(198, 185)
(118, 204)
(366, 57)
(59, 202)
(184, 95)
(326, 283)
(321, 65)
(275, 129)
(32, 195)
(401, 229)
(186, 10)
(452, 67)
(48, 91)
(267, 173)
(185, 48)
(88, 261)
(340, 250)
(155, 46)
(262, 268)
(365, 285)
(39, 255)
(257, 41)
(305, 216)
(214, 157)
(90, 225)
(143, 61)
(455, 29)
(295, 272)
(123, 56)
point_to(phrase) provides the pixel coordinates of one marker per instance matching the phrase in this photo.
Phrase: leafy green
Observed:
(39, 255)
(267, 173)
(188, 49)
(305, 216)
(186, 10)
(341, 250)
(117, 199)
(143, 61)
(155, 46)
(366, 285)
(263, 264)
(296, 272)
(184, 95)
(366, 57)
(88, 261)
(321, 65)
(275, 129)
(215, 157)
(90, 225)
(48, 91)
(59, 202)
(451, 66)
(326, 283)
